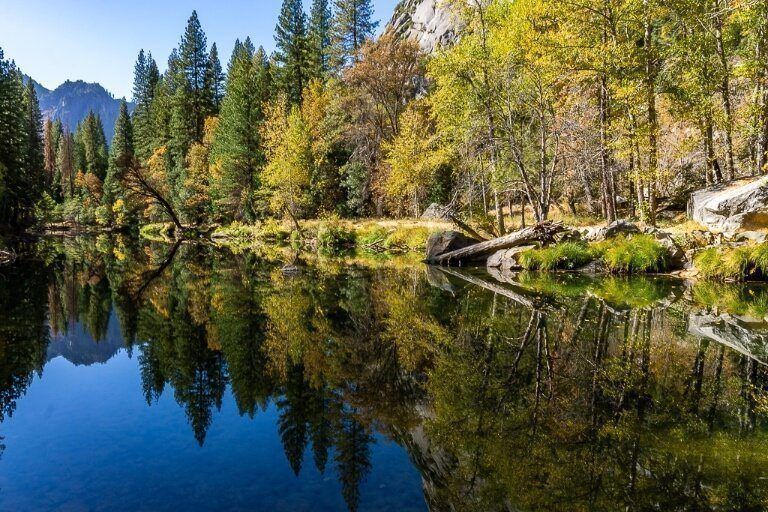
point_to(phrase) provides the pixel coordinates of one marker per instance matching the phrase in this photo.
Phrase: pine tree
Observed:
(320, 19)
(146, 77)
(237, 155)
(121, 156)
(34, 175)
(65, 164)
(292, 49)
(214, 79)
(91, 147)
(12, 139)
(49, 153)
(352, 26)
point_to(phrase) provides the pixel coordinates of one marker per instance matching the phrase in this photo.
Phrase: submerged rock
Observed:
(733, 207)
(447, 241)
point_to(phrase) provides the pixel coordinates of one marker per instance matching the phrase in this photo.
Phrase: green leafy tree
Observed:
(121, 157)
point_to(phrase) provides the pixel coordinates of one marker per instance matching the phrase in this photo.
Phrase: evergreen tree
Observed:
(292, 49)
(12, 138)
(120, 158)
(146, 77)
(49, 154)
(320, 19)
(65, 164)
(91, 147)
(214, 79)
(237, 155)
(33, 179)
(352, 26)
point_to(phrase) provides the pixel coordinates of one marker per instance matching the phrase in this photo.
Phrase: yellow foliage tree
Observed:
(288, 173)
(414, 157)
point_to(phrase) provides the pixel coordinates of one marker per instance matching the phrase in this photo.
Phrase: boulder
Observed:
(616, 227)
(437, 212)
(676, 258)
(732, 207)
(508, 259)
(447, 241)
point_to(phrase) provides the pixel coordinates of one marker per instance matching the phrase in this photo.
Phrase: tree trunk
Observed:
(653, 121)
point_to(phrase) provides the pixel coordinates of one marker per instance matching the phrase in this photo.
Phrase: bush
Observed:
(632, 254)
(563, 256)
(333, 236)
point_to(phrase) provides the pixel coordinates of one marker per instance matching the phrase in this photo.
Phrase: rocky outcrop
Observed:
(447, 241)
(733, 207)
(428, 22)
(437, 212)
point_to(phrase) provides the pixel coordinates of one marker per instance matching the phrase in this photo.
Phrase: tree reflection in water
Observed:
(517, 393)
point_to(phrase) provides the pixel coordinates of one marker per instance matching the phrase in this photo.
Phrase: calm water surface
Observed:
(190, 378)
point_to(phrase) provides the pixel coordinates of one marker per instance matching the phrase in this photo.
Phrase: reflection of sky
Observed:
(83, 438)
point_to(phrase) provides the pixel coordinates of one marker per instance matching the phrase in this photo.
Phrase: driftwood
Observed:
(543, 232)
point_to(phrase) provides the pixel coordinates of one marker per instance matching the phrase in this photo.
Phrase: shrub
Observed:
(563, 256)
(333, 236)
(632, 254)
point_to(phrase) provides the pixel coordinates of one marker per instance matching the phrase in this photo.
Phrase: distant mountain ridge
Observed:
(71, 101)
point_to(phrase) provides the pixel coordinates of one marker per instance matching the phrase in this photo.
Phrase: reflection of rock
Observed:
(79, 348)
(438, 279)
(447, 241)
(748, 336)
(734, 207)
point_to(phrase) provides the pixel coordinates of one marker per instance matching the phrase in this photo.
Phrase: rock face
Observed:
(437, 212)
(428, 22)
(732, 208)
(447, 241)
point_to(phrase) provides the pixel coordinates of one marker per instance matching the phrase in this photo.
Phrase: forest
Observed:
(603, 109)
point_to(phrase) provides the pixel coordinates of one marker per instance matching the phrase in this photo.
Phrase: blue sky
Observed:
(98, 40)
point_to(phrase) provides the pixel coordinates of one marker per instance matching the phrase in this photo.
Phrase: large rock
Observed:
(437, 212)
(428, 22)
(447, 241)
(615, 228)
(733, 207)
(508, 259)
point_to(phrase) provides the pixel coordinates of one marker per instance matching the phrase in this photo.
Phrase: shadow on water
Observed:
(524, 392)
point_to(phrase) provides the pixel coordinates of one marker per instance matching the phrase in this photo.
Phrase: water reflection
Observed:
(525, 392)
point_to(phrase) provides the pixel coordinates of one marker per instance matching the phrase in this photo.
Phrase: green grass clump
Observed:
(733, 263)
(632, 254)
(563, 256)
(722, 264)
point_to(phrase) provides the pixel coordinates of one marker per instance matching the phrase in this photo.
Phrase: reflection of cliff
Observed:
(79, 348)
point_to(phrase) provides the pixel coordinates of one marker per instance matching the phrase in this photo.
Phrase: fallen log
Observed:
(542, 233)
